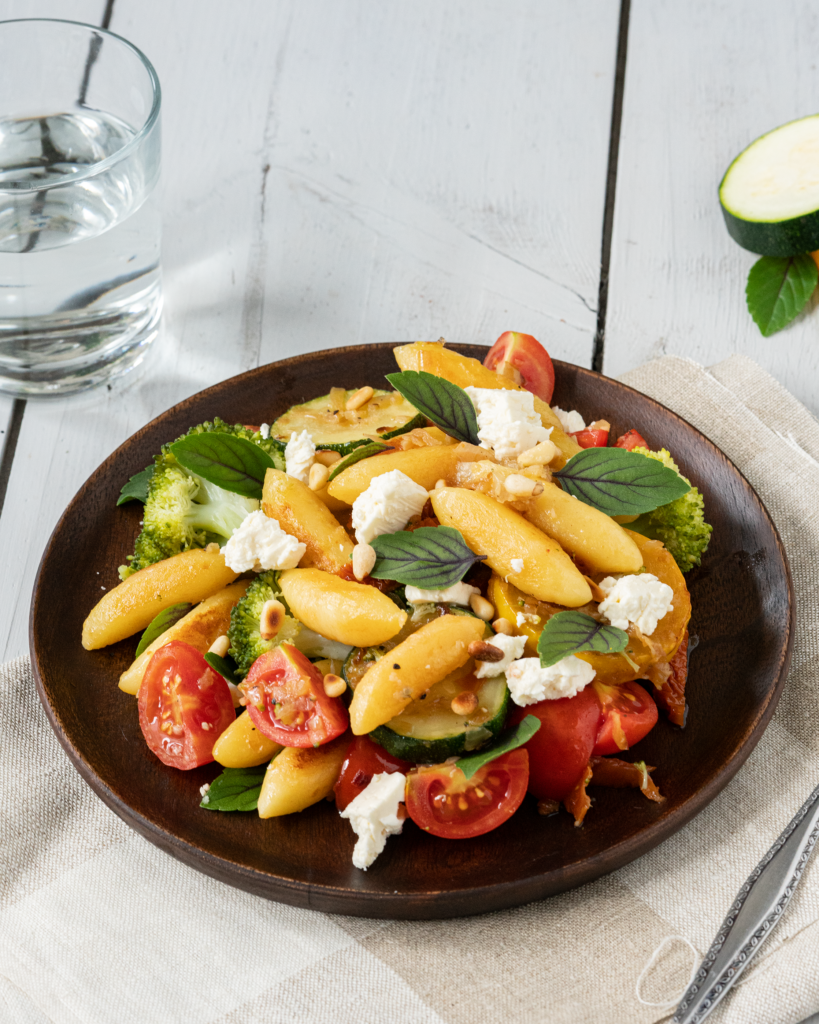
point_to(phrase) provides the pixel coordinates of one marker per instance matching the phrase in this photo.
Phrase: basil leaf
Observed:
(364, 451)
(157, 626)
(236, 789)
(778, 288)
(432, 557)
(447, 405)
(522, 734)
(230, 462)
(137, 487)
(225, 668)
(618, 482)
(570, 632)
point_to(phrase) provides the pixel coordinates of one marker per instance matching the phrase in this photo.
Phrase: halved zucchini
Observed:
(333, 428)
(770, 193)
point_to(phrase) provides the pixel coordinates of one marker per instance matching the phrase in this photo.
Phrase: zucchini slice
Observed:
(770, 193)
(333, 428)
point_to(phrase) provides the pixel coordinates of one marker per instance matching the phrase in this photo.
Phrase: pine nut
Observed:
(541, 455)
(271, 619)
(483, 650)
(481, 607)
(519, 485)
(220, 646)
(537, 489)
(363, 560)
(334, 685)
(318, 477)
(439, 484)
(465, 703)
(236, 694)
(328, 458)
(503, 626)
(361, 397)
(599, 425)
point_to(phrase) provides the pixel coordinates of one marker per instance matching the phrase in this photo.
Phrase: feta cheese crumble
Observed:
(517, 564)
(387, 505)
(458, 593)
(299, 455)
(259, 543)
(374, 816)
(529, 682)
(570, 421)
(639, 599)
(512, 647)
(264, 430)
(507, 421)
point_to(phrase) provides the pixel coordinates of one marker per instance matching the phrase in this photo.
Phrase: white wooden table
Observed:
(345, 172)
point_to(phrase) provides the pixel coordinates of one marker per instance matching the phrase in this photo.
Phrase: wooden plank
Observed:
(702, 81)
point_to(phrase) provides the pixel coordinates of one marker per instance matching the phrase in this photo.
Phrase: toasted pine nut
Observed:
(212, 548)
(465, 703)
(318, 476)
(481, 607)
(483, 650)
(507, 370)
(503, 626)
(599, 425)
(537, 489)
(439, 484)
(541, 455)
(328, 458)
(361, 397)
(220, 646)
(236, 694)
(519, 485)
(271, 619)
(363, 560)
(334, 685)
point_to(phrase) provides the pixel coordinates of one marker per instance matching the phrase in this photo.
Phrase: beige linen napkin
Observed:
(96, 925)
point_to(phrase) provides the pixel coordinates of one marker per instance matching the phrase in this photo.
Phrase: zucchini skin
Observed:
(775, 238)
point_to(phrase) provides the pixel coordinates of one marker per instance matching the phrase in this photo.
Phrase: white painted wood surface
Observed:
(336, 173)
(703, 79)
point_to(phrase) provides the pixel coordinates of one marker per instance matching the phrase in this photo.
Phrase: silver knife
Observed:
(758, 907)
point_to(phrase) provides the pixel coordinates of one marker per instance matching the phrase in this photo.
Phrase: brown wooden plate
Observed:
(742, 622)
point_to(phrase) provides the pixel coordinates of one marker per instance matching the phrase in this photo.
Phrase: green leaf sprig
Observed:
(236, 789)
(159, 623)
(778, 289)
(364, 451)
(225, 668)
(230, 462)
(448, 406)
(520, 735)
(619, 482)
(572, 632)
(431, 557)
(136, 489)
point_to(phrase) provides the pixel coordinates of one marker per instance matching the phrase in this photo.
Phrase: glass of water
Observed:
(80, 285)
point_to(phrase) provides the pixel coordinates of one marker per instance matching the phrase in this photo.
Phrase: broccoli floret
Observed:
(680, 524)
(246, 643)
(184, 511)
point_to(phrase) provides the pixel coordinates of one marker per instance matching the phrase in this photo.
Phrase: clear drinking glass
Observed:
(80, 285)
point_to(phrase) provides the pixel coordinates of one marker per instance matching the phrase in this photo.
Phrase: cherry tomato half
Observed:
(560, 750)
(529, 358)
(184, 706)
(364, 759)
(590, 438)
(631, 439)
(629, 713)
(444, 803)
(287, 703)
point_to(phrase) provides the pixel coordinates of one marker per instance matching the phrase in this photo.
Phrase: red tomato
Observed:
(184, 706)
(529, 358)
(286, 700)
(560, 750)
(364, 759)
(629, 713)
(444, 803)
(631, 439)
(589, 438)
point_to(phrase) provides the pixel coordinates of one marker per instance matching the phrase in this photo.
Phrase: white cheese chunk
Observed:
(570, 421)
(507, 421)
(260, 543)
(264, 430)
(640, 599)
(517, 564)
(374, 816)
(387, 505)
(299, 455)
(512, 647)
(458, 593)
(529, 682)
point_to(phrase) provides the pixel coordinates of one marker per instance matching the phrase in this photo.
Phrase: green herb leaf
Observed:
(571, 632)
(520, 735)
(236, 789)
(364, 451)
(432, 557)
(447, 405)
(230, 462)
(778, 288)
(618, 482)
(225, 668)
(137, 487)
(157, 626)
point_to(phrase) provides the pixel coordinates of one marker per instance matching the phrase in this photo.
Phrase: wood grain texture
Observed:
(703, 79)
